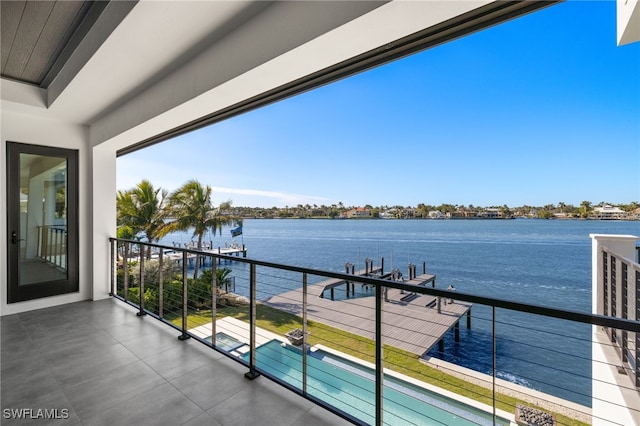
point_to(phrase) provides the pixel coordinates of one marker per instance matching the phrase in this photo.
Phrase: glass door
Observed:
(42, 221)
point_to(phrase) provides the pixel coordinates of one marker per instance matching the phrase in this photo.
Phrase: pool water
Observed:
(351, 388)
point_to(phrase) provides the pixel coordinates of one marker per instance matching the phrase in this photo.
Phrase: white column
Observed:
(104, 216)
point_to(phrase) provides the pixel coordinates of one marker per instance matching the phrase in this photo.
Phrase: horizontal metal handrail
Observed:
(571, 315)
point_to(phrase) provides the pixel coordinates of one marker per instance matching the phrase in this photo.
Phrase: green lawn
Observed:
(280, 322)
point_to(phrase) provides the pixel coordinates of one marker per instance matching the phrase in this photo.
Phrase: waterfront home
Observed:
(607, 212)
(388, 214)
(84, 82)
(358, 212)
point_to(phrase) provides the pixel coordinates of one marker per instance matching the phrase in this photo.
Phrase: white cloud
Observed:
(130, 171)
(256, 197)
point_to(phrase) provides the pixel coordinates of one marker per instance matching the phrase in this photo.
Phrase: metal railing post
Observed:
(304, 332)
(252, 373)
(184, 335)
(495, 366)
(605, 284)
(161, 284)
(379, 358)
(141, 311)
(125, 271)
(614, 294)
(58, 258)
(114, 263)
(214, 300)
(625, 306)
(637, 335)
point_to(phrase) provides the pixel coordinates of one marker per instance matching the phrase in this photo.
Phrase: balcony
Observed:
(148, 355)
(98, 363)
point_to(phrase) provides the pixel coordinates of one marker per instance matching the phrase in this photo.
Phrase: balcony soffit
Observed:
(151, 42)
(34, 35)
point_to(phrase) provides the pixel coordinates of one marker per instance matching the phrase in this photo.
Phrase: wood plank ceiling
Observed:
(37, 35)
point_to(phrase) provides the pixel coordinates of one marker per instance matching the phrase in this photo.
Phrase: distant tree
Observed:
(585, 209)
(141, 209)
(632, 206)
(549, 207)
(545, 214)
(505, 211)
(447, 208)
(190, 207)
(125, 232)
(423, 210)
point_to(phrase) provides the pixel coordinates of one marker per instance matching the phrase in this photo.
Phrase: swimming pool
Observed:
(351, 388)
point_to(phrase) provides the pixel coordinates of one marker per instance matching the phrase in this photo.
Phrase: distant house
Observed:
(562, 215)
(609, 212)
(436, 214)
(491, 213)
(388, 214)
(357, 213)
(462, 214)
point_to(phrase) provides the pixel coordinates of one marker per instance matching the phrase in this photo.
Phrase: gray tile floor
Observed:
(107, 366)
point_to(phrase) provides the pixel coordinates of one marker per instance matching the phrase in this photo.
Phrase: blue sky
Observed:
(540, 110)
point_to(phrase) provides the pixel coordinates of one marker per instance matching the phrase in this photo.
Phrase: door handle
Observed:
(14, 238)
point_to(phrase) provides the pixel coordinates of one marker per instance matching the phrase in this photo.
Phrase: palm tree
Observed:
(585, 208)
(189, 207)
(141, 209)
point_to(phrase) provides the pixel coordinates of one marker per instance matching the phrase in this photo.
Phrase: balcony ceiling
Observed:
(34, 35)
(131, 70)
(85, 59)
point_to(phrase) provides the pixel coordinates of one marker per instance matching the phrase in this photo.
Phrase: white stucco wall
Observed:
(103, 226)
(29, 129)
(628, 21)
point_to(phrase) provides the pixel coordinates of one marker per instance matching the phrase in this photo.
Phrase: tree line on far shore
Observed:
(154, 212)
(584, 210)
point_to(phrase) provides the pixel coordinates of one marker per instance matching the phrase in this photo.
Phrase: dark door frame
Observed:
(15, 292)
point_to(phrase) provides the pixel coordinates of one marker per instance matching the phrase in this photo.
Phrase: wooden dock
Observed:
(229, 251)
(411, 322)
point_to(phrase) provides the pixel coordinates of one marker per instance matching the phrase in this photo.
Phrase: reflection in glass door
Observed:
(42, 220)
